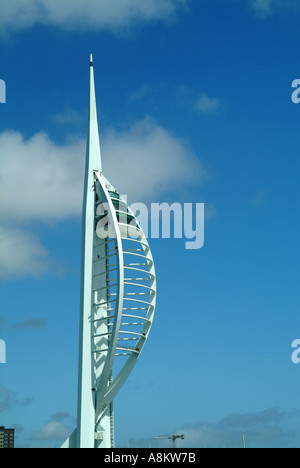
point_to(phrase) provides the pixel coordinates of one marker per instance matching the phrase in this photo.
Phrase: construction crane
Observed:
(172, 438)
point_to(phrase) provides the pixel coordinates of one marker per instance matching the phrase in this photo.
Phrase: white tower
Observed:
(118, 294)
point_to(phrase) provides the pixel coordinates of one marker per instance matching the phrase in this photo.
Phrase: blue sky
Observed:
(195, 96)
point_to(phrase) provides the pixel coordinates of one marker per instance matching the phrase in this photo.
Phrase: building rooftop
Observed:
(7, 437)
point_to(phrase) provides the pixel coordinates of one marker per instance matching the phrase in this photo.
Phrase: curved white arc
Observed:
(105, 376)
(119, 381)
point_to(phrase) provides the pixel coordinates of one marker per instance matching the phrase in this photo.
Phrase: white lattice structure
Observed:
(118, 293)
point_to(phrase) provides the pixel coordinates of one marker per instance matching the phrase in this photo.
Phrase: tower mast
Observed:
(85, 411)
(118, 296)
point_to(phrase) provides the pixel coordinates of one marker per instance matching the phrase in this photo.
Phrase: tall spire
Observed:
(93, 143)
(109, 299)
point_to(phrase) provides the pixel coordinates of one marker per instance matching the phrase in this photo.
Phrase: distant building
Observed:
(7, 438)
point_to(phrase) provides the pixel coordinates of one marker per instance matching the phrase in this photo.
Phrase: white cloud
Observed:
(42, 181)
(54, 430)
(207, 105)
(21, 254)
(70, 117)
(262, 428)
(267, 428)
(216, 435)
(140, 94)
(265, 8)
(199, 102)
(150, 161)
(103, 14)
(39, 180)
(98, 14)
